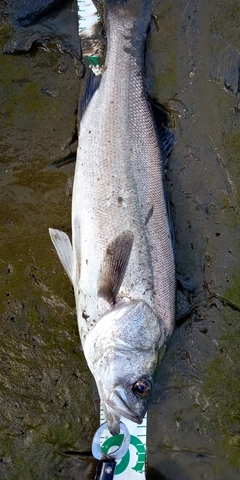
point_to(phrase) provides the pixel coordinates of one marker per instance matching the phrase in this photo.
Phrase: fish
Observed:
(121, 259)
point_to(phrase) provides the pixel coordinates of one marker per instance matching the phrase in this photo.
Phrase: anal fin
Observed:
(63, 248)
(114, 266)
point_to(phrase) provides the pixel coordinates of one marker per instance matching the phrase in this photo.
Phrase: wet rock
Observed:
(200, 71)
(225, 64)
(27, 12)
(42, 22)
(44, 377)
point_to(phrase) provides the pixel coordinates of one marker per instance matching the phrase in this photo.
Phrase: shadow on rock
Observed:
(42, 21)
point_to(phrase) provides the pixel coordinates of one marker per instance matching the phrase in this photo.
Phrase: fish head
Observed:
(122, 352)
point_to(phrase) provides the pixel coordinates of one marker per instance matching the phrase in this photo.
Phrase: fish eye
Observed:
(142, 388)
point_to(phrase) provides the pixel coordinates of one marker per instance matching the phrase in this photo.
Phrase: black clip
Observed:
(105, 469)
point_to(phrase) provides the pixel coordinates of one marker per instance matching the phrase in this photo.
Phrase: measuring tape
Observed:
(132, 465)
(87, 17)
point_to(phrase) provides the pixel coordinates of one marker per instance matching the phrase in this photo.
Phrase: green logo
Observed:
(116, 441)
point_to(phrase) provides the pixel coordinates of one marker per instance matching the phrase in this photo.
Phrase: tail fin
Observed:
(119, 2)
(136, 8)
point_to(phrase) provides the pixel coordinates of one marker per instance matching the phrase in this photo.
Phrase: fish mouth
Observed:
(119, 404)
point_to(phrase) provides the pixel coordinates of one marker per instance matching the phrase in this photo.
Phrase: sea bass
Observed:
(121, 261)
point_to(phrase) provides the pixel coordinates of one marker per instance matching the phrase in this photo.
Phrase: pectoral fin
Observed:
(63, 247)
(114, 266)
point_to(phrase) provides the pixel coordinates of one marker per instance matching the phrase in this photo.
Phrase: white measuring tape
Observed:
(87, 17)
(132, 465)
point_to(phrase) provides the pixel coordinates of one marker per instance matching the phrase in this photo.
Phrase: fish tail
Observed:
(119, 2)
(135, 9)
(129, 2)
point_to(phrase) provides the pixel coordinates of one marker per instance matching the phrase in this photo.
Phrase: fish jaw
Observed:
(112, 419)
(116, 407)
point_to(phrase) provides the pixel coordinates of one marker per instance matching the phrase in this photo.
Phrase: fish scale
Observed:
(121, 260)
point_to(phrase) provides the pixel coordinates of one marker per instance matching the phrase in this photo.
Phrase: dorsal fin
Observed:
(114, 266)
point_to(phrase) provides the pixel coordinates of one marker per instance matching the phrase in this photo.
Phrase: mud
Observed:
(46, 396)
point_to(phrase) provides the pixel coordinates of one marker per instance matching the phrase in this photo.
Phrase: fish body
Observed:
(121, 260)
